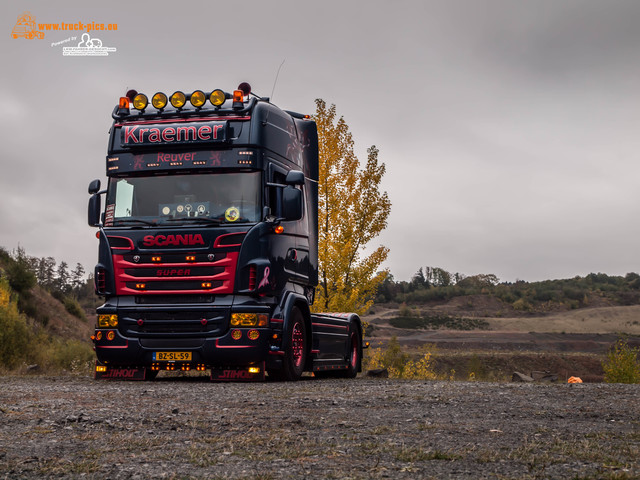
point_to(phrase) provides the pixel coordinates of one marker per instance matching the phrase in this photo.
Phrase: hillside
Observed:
(484, 336)
(46, 328)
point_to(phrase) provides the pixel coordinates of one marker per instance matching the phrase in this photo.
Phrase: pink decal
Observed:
(138, 162)
(265, 279)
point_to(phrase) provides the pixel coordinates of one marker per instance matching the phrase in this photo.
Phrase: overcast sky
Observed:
(510, 129)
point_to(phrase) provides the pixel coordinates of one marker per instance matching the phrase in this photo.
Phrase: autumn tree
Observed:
(352, 211)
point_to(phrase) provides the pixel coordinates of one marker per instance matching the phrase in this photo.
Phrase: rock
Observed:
(545, 376)
(521, 377)
(378, 372)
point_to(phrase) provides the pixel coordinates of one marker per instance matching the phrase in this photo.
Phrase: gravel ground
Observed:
(363, 428)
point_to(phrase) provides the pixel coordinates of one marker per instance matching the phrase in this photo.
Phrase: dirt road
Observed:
(363, 428)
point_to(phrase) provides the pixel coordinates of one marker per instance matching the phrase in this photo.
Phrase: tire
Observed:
(355, 353)
(295, 355)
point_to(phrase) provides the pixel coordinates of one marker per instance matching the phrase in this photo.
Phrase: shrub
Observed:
(621, 364)
(70, 355)
(522, 304)
(15, 334)
(73, 307)
(399, 364)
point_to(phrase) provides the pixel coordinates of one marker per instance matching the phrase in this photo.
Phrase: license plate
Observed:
(171, 356)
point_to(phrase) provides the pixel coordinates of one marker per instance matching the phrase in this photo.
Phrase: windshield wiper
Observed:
(125, 221)
(213, 221)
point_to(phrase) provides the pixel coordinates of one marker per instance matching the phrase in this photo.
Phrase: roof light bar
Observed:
(178, 99)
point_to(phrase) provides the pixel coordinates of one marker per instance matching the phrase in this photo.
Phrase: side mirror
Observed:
(94, 187)
(292, 203)
(93, 212)
(294, 177)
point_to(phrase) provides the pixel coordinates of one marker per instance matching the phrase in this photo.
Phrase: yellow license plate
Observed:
(171, 356)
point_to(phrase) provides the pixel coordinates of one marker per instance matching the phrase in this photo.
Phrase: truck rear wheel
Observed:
(295, 354)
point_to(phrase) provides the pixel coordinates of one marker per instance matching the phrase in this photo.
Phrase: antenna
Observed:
(266, 118)
(276, 80)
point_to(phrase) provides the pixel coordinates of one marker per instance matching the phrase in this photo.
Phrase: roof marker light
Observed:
(178, 99)
(198, 98)
(123, 106)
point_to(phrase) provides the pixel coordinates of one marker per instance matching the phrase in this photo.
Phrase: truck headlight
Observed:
(249, 319)
(106, 321)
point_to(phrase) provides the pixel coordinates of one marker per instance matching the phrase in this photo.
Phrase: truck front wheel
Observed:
(355, 354)
(295, 354)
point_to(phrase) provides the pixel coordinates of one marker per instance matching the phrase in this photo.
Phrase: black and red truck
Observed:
(208, 242)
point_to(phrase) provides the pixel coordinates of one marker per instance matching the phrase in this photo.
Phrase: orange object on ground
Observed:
(574, 380)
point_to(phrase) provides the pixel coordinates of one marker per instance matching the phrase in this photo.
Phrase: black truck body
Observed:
(208, 243)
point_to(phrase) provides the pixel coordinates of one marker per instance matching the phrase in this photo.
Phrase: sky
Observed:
(509, 130)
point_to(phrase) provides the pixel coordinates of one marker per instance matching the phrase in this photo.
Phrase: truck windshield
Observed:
(184, 199)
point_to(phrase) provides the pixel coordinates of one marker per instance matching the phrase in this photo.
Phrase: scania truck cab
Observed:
(208, 242)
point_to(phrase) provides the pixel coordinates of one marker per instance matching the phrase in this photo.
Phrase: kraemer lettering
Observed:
(173, 134)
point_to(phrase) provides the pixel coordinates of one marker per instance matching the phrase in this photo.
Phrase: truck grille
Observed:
(168, 274)
(160, 324)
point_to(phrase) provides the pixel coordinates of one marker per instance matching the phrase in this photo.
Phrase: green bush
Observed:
(621, 364)
(15, 334)
(70, 355)
(73, 307)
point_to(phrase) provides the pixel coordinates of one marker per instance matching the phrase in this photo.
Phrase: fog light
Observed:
(253, 334)
(217, 97)
(236, 334)
(178, 99)
(159, 100)
(140, 101)
(111, 335)
(99, 336)
(198, 98)
(101, 368)
(254, 369)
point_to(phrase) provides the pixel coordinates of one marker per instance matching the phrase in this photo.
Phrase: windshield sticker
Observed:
(232, 214)
(109, 215)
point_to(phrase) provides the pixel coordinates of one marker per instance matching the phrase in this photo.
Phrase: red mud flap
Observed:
(104, 372)
(251, 373)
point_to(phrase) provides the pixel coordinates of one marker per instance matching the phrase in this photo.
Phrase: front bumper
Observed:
(186, 335)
